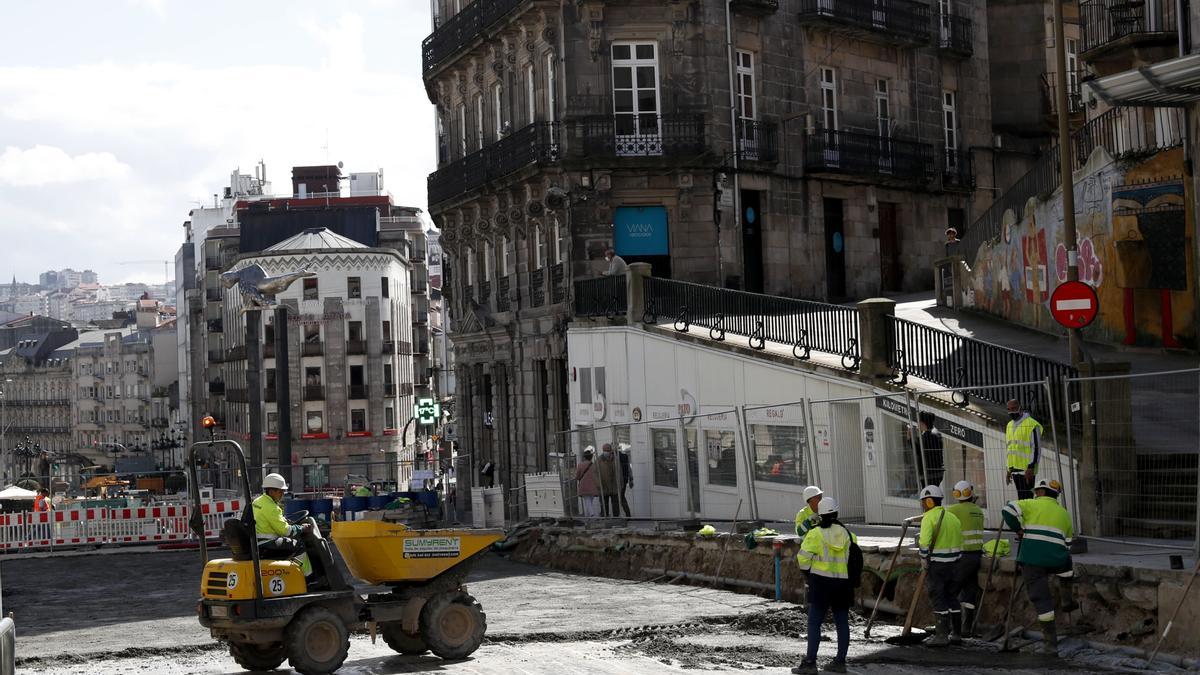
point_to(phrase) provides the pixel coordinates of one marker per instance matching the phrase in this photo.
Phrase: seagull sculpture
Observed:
(259, 290)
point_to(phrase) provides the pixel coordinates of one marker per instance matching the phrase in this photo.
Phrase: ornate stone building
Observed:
(796, 147)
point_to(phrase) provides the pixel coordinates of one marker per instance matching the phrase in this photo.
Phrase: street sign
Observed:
(1074, 305)
(427, 411)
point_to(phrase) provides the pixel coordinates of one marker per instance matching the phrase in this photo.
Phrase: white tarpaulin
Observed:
(14, 492)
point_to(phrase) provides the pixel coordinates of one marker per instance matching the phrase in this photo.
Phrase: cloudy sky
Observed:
(117, 117)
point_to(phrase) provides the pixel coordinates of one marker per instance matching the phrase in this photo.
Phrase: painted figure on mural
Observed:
(1033, 253)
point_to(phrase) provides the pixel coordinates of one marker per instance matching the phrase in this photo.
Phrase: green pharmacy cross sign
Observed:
(427, 411)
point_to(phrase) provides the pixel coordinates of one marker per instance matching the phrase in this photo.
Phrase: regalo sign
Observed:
(317, 318)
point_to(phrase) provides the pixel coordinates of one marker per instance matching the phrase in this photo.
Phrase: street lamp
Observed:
(3, 428)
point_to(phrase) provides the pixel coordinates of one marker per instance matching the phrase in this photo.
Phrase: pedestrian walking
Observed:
(1023, 436)
(807, 517)
(1045, 529)
(585, 479)
(825, 558)
(970, 518)
(626, 478)
(941, 543)
(607, 471)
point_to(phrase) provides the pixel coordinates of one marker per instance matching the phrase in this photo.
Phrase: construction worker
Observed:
(807, 518)
(41, 503)
(277, 540)
(825, 558)
(941, 543)
(1045, 530)
(970, 518)
(1023, 437)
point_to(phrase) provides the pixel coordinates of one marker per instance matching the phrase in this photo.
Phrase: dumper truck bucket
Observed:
(380, 552)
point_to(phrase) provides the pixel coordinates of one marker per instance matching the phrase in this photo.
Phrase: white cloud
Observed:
(156, 7)
(47, 165)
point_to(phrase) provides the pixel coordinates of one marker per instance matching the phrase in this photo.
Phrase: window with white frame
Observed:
(462, 129)
(747, 112)
(503, 262)
(530, 95)
(636, 98)
(470, 258)
(883, 109)
(559, 248)
(478, 121)
(485, 265)
(539, 247)
(829, 102)
(551, 89)
(1073, 73)
(951, 128)
(498, 109)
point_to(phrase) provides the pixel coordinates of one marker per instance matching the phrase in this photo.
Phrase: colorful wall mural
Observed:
(1135, 248)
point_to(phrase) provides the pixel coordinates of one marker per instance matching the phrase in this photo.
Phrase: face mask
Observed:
(1015, 415)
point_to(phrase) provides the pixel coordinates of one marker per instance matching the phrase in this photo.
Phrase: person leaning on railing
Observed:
(616, 264)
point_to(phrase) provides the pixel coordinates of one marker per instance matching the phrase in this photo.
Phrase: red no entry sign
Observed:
(1074, 305)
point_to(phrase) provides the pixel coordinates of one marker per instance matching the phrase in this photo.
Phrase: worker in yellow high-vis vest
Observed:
(941, 543)
(1023, 436)
(970, 517)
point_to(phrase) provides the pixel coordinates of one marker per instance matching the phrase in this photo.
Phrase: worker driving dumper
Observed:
(277, 540)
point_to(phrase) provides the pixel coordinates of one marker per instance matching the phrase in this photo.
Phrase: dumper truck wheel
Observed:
(317, 641)
(453, 625)
(401, 642)
(258, 657)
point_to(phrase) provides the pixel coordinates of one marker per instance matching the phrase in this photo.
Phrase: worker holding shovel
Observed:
(941, 543)
(1045, 530)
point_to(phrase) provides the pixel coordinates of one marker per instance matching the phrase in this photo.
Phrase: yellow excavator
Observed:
(419, 603)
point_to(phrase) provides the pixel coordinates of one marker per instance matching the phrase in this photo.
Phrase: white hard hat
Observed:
(812, 491)
(1049, 485)
(932, 491)
(963, 490)
(826, 506)
(274, 480)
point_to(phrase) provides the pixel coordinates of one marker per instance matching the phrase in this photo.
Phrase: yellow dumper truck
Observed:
(419, 605)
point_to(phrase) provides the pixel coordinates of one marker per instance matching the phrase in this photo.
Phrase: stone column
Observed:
(874, 340)
(635, 293)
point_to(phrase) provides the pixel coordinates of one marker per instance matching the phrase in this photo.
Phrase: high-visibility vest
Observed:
(269, 522)
(1019, 436)
(1047, 528)
(948, 546)
(826, 552)
(805, 521)
(970, 517)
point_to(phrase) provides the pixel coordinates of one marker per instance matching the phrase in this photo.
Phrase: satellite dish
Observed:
(339, 165)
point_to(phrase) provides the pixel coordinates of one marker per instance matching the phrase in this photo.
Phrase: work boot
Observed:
(956, 624)
(968, 622)
(941, 637)
(835, 666)
(1049, 638)
(805, 668)
(1067, 591)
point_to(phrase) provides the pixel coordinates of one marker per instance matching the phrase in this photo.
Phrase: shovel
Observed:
(1175, 614)
(907, 637)
(968, 630)
(891, 569)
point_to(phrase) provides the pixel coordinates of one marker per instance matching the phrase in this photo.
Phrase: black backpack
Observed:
(854, 562)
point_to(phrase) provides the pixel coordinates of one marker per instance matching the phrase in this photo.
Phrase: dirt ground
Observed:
(135, 613)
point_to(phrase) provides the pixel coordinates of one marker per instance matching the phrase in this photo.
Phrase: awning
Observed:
(1168, 83)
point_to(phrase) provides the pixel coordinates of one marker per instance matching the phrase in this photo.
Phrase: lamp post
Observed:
(4, 428)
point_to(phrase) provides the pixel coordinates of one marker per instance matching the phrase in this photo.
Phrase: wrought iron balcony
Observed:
(868, 155)
(356, 347)
(212, 295)
(462, 29)
(314, 392)
(537, 143)
(389, 389)
(643, 135)
(216, 388)
(956, 35)
(358, 391)
(900, 21)
(558, 283)
(315, 348)
(406, 389)
(537, 287)
(1074, 94)
(1113, 25)
(757, 141)
(485, 292)
(216, 326)
(212, 263)
(389, 347)
(958, 170)
(503, 300)
(238, 353)
(755, 7)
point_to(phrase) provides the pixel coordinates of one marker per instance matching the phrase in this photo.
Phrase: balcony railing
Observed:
(212, 263)
(958, 170)
(314, 392)
(1074, 93)
(389, 389)
(312, 349)
(358, 391)
(503, 301)
(403, 348)
(755, 7)
(537, 143)
(1109, 25)
(238, 353)
(602, 296)
(389, 347)
(212, 295)
(485, 292)
(406, 389)
(901, 20)
(867, 155)
(558, 283)
(757, 141)
(235, 395)
(462, 29)
(217, 388)
(537, 287)
(956, 35)
(214, 356)
(356, 347)
(643, 135)
(216, 326)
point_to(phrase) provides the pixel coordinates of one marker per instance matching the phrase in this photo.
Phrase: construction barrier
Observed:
(82, 527)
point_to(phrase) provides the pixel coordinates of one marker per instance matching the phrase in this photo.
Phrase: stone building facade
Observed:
(821, 155)
(113, 384)
(36, 384)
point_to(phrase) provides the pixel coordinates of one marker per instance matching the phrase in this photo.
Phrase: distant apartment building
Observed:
(36, 385)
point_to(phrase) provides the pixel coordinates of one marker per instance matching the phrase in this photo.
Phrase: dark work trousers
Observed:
(625, 501)
(825, 594)
(609, 506)
(942, 583)
(1037, 585)
(1024, 489)
(279, 548)
(968, 578)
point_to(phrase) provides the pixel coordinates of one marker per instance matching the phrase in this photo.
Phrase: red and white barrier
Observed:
(80, 527)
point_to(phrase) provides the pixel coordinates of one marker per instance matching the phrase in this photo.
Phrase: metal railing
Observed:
(558, 283)
(647, 135)
(602, 296)
(1106, 22)
(356, 346)
(314, 392)
(865, 154)
(534, 143)
(956, 34)
(314, 348)
(462, 29)
(1123, 132)
(503, 300)
(1074, 92)
(958, 170)
(755, 6)
(216, 387)
(359, 391)
(803, 324)
(903, 19)
(953, 360)
(236, 395)
(537, 287)
(757, 141)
